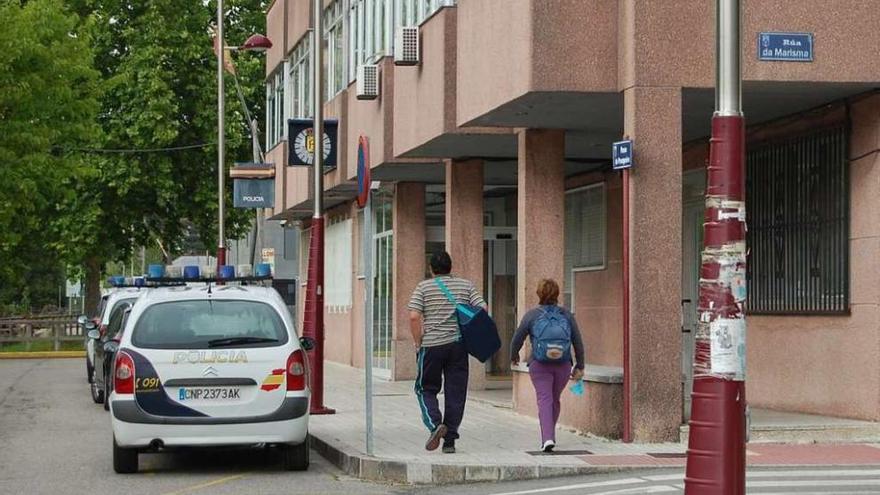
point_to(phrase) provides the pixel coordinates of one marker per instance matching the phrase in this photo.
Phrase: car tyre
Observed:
(125, 461)
(90, 370)
(296, 457)
(97, 393)
(106, 392)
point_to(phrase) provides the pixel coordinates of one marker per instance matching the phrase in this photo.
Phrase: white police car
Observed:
(204, 365)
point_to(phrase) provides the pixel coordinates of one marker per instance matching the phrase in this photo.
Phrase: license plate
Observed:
(209, 393)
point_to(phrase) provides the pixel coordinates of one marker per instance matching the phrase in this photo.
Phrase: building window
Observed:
(383, 288)
(274, 108)
(797, 205)
(370, 36)
(300, 79)
(413, 12)
(337, 265)
(585, 226)
(334, 57)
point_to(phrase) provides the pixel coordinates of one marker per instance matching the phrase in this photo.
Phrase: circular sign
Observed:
(304, 145)
(363, 169)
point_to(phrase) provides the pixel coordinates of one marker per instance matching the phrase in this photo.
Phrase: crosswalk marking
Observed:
(580, 486)
(812, 473)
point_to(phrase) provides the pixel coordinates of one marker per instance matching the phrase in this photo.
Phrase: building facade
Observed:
(496, 146)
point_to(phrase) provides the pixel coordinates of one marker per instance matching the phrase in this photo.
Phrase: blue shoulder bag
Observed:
(478, 331)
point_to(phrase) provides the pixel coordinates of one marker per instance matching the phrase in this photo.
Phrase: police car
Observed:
(208, 365)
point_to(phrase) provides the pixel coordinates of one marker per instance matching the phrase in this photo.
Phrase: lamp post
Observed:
(716, 446)
(313, 313)
(221, 140)
(256, 42)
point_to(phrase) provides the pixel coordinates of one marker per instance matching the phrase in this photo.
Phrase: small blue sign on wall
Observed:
(785, 47)
(622, 155)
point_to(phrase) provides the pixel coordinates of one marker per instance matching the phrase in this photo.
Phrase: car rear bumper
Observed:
(134, 428)
(129, 412)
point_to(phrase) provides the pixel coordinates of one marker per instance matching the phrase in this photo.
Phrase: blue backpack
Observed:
(551, 337)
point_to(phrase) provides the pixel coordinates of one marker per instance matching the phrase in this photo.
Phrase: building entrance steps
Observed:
(785, 427)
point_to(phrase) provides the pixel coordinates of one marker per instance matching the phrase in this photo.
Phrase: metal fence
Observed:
(798, 218)
(57, 329)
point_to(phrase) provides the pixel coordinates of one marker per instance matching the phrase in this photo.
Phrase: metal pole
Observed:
(367, 238)
(313, 324)
(627, 388)
(258, 158)
(716, 447)
(221, 139)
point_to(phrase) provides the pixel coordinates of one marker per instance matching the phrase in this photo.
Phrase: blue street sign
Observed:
(254, 193)
(785, 47)
(622, 155)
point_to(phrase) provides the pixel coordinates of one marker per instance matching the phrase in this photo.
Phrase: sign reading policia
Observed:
(253, 185)
(301, 135)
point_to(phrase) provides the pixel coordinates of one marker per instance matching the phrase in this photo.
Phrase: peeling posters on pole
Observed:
(728, 347)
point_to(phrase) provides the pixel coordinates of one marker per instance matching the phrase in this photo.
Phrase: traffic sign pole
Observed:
(365, 200)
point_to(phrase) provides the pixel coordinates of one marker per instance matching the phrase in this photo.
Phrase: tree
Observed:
(48, 104)
(159, 76)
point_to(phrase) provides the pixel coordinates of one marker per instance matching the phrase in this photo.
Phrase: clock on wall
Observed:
(302, 142)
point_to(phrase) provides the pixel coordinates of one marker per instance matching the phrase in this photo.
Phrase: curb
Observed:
(370, 468)
(43, 355)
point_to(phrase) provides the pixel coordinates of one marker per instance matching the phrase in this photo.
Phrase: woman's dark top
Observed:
(525, 328)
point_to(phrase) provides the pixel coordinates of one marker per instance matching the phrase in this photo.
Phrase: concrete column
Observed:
(540, 213)
(464, 234)
(652, 118)
(408, 269)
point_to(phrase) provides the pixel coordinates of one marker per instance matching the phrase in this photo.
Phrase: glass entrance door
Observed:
(499, 262)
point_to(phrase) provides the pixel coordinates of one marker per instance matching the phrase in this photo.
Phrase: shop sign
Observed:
(785, 47)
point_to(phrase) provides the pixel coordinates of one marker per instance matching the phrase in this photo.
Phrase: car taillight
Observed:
(297, 371)
(123, 375)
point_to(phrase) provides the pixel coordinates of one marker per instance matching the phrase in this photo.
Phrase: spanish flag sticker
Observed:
(273, 381)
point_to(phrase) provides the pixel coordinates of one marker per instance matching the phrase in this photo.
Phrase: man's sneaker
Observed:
(548, 446)
(449, 446)
(434, 440)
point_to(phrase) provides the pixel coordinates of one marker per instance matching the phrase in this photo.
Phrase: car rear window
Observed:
(208, 324)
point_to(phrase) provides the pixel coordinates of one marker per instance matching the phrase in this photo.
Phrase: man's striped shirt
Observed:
(439, 325)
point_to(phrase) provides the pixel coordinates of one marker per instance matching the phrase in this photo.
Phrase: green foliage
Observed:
(48, 102)
(112, 74)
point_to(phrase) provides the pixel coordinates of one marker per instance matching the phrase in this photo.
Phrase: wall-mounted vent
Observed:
(406, 46)
(367, 82)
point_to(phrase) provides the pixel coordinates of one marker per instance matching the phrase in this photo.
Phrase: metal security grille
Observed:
(798, 225)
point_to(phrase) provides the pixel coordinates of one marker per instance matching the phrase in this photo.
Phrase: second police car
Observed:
(209, 365)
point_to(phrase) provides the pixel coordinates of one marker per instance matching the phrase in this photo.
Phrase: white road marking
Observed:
(779, 474)
(641, 489)
(595, 484)
(812, 483)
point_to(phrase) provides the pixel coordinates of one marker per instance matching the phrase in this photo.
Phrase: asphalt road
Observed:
(54, 439)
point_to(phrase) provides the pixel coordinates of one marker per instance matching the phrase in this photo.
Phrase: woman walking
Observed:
(553, 332)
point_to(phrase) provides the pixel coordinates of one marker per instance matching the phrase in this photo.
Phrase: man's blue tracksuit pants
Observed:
(443, 366)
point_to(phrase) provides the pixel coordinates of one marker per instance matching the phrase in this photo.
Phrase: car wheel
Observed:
(296, 457)
(97, 392)
(106, 393)
(125, 461)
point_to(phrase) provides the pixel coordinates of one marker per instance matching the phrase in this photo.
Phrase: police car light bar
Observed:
(183, 280)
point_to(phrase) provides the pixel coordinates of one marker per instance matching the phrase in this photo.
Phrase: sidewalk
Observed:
(495, 444)
(498, 444)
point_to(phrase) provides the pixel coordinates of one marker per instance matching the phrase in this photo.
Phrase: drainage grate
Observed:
(668, 455)
(560, 452)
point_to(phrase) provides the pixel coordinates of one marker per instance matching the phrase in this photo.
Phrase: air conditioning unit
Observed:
(367, 82)
(406, 46)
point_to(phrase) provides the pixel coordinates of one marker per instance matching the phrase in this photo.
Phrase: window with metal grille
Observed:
(797, 203)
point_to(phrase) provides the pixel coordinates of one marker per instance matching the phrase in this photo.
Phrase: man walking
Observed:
(442, 358)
